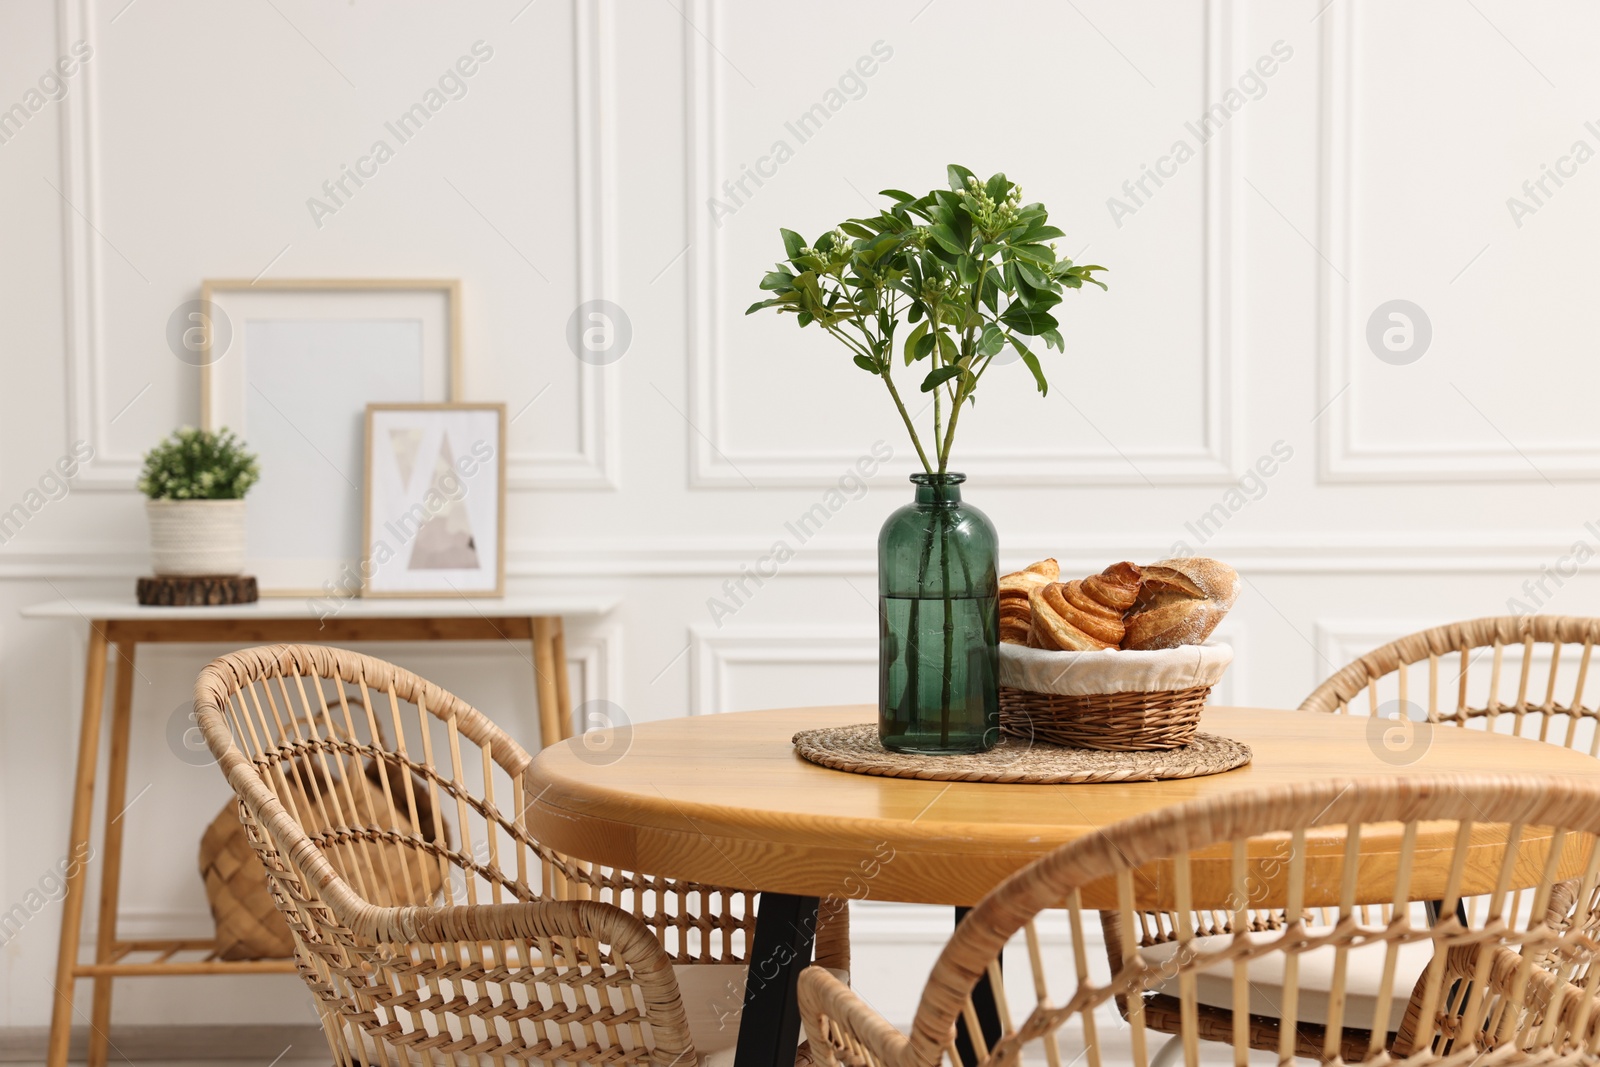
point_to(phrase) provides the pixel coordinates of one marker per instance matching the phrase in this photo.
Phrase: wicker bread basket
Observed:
(1118, 700)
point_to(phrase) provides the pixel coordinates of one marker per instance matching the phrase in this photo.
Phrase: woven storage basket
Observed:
(249, 925)
(1118, 700)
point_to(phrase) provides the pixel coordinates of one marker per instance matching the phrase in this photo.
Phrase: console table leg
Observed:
(111, 861)
(558, 649)
(78, 854)
(544, 677)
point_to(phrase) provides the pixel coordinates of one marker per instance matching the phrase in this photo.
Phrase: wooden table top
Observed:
(723, 799)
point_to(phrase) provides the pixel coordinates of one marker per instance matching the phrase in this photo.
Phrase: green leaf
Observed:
(947, 349)
(792, 243)
(939, 376)
(1043, 233)
(1030, 274)
(805, 318)
(947, 239)
(1028, 321)
(1080, 274)
(808, 283)
(993, 340)
(896, 194)
(913, 340)
(867, 365)
(1036, 252)
(1033, 365)
(1044, 299)
(957, 175)
(855, 229)
(997, 187)
(967, 269)
(779, 280)
(925, 345)
(948, 202)
(759, 304)
(1053, 339)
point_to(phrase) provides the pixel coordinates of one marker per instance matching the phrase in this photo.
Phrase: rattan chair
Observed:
(1466, 681)
(471, 943)
(1511, 986)
(1468, 675)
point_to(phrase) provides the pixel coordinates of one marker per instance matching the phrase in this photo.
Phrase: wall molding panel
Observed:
(597, 462)
(1234, 688)
(716, 462)
(1344, 456)
(714, 653)
(594, 655)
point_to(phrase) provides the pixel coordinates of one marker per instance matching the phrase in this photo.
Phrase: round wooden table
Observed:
(723, 799)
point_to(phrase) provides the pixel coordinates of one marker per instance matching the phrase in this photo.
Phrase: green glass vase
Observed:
(938, 623)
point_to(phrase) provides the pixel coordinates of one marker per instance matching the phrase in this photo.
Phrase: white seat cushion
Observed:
(713, 997)
(1363, 978)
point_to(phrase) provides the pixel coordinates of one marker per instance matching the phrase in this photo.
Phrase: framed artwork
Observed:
(290, 366)
(434, 521)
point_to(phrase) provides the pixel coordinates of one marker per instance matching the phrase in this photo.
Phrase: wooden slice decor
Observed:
(199, 590)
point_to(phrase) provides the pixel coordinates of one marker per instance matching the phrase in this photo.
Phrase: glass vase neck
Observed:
(938, 489)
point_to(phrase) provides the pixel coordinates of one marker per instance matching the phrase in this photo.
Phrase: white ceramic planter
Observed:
(189, 537)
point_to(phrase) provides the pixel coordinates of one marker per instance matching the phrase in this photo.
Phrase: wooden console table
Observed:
(122, 625)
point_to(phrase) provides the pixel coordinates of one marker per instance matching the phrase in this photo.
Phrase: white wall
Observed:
(1376, 165)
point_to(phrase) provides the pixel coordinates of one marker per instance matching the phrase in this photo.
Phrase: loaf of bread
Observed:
(1180, 602)
(1084, 614)
(1164, 605)
(1016, 618)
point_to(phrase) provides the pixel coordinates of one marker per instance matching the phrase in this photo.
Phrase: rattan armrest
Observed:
(517, 921)
(1516, 978)
(841, 1028)
(1563, 903)
(631, 942)
(1512, 979)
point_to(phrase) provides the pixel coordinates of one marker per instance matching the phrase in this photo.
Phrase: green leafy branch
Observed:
(969, 271)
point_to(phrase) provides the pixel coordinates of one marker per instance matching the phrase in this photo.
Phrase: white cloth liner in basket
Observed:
(1113, 670)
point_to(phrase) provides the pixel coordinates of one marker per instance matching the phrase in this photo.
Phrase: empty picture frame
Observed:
(290, 366)
(434, 520)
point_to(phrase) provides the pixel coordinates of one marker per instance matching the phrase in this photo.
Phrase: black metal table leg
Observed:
(988, 1013)
(769, 1027)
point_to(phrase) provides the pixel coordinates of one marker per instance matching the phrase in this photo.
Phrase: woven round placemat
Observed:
(856, 749)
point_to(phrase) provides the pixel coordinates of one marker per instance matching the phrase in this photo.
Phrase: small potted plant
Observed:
(949, 280)
(196, 481)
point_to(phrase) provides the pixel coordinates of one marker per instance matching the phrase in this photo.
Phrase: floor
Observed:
(1111, 1056)
(1112, 1031)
